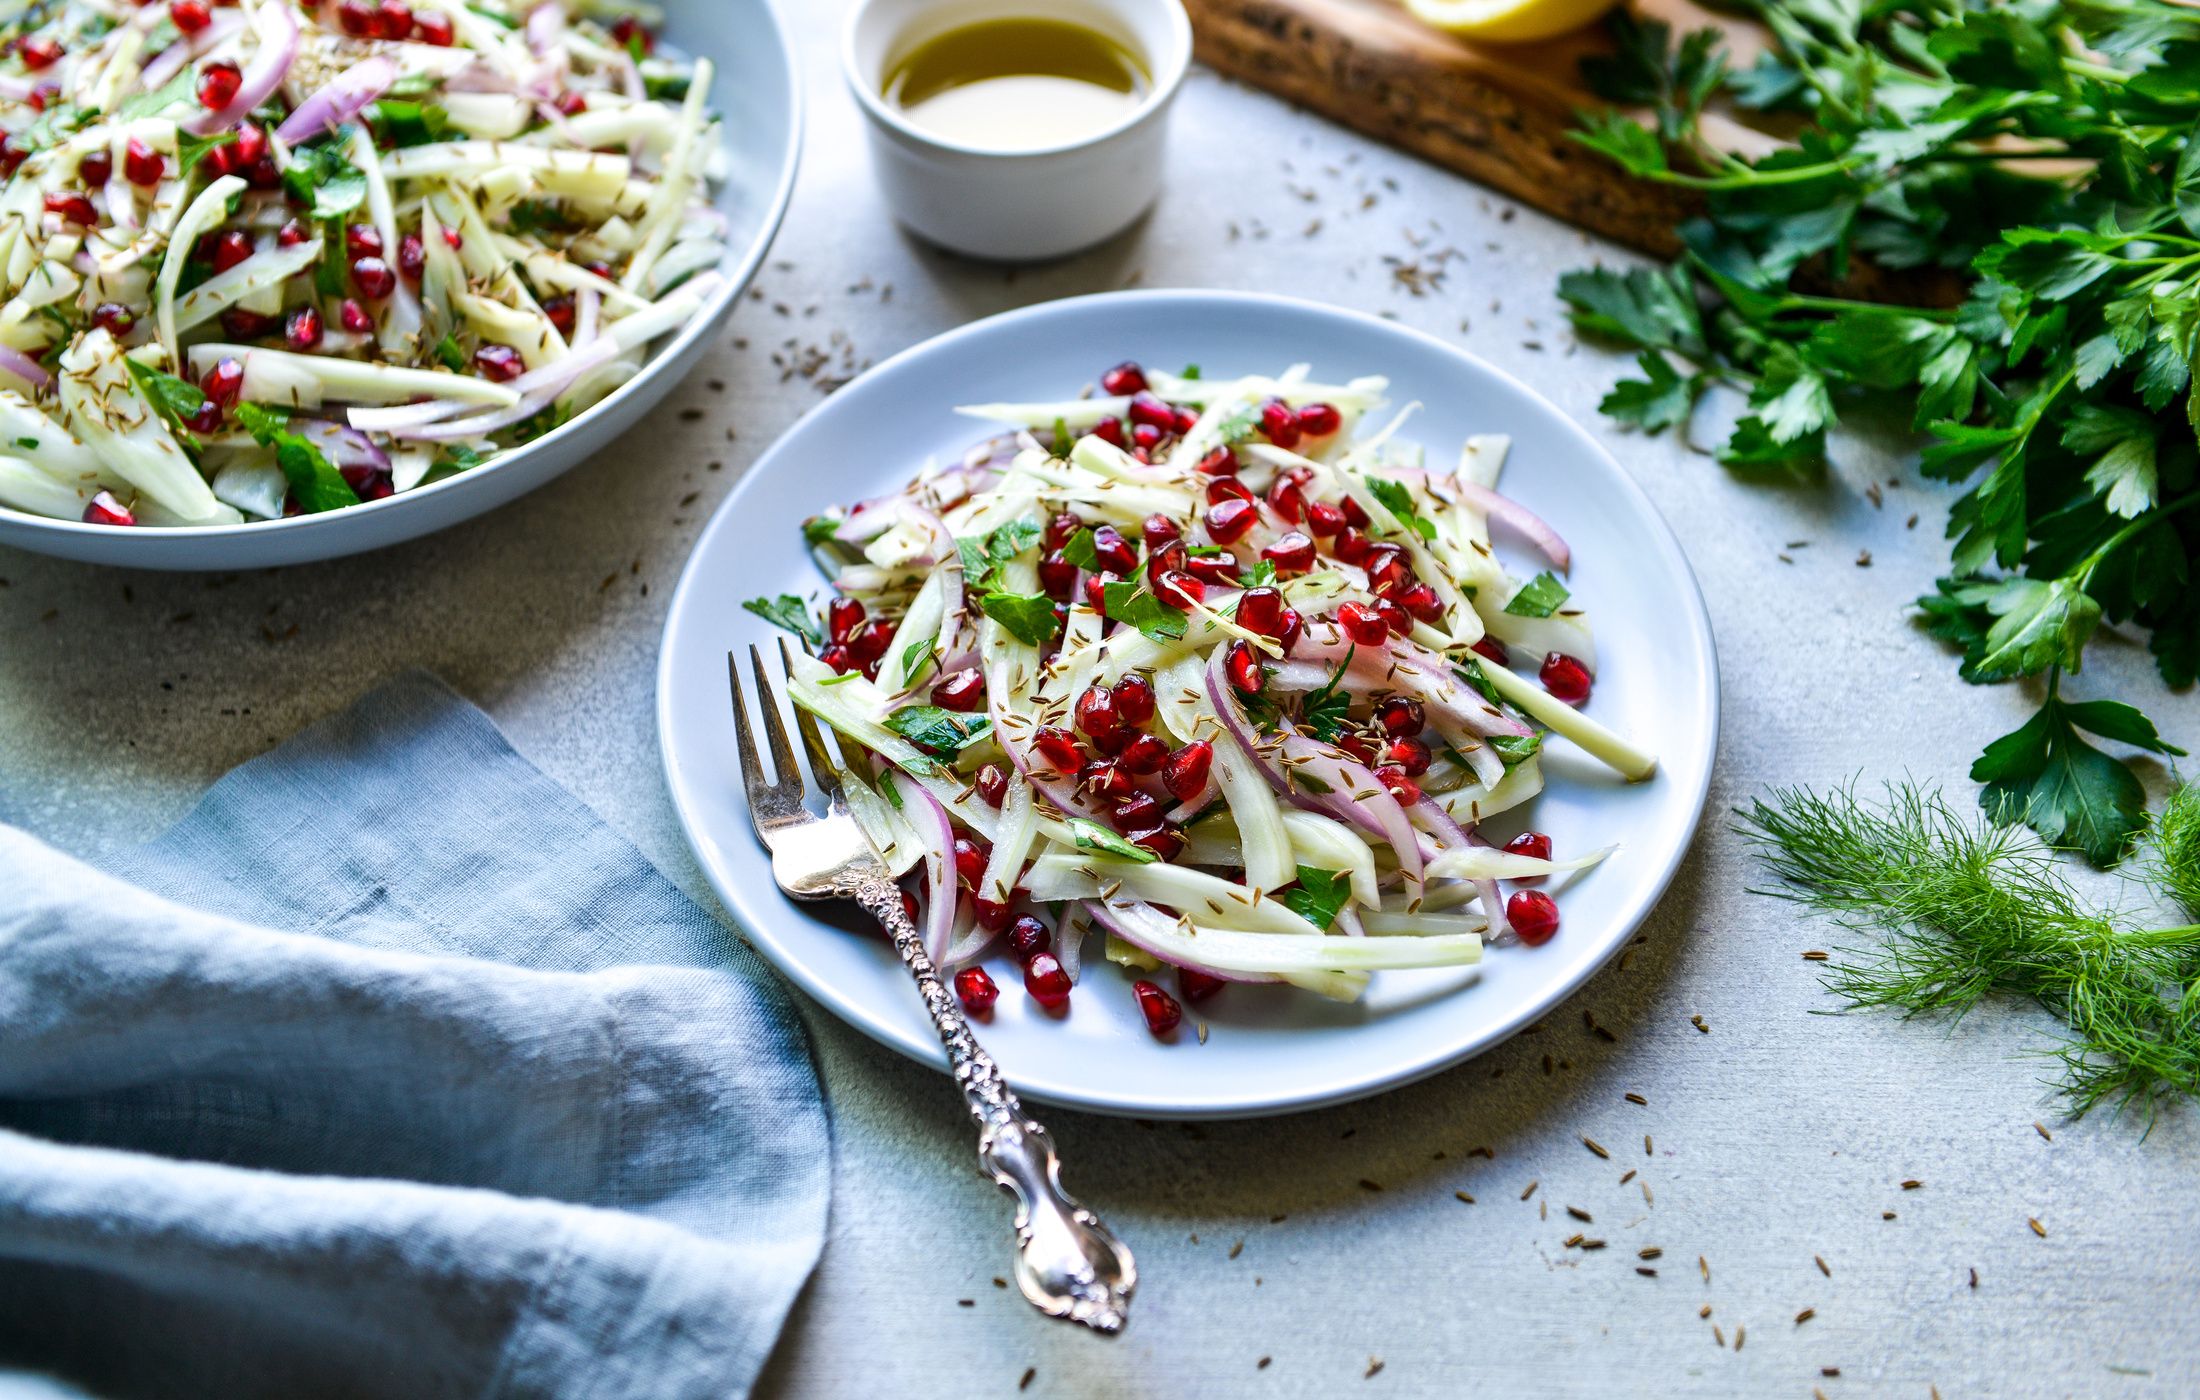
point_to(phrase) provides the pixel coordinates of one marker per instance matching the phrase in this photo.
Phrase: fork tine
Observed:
(752, 768)
(822, 766)
(775, 728)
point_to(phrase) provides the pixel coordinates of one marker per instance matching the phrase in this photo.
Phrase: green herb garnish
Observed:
(942, 732)
(1317, 896)
(315, 483)
(1028, 617)
(1538, 597)
(788, 612)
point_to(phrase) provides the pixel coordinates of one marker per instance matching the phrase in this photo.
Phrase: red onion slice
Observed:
(25, 368)
(1510, 512)
(278, 32)
(1129, 923)
(344, 97)
(931, 821)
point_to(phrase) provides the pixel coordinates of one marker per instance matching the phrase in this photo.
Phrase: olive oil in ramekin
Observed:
(1017, 84)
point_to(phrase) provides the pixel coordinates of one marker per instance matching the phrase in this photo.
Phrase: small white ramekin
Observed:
(1020, 205)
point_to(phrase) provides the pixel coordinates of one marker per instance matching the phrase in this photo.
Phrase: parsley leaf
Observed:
(788, 612)
(2075, 796)
(983, 555)
(177, 399)
(1324, 709)
(1091, 836)
(1127, 602)
(1080, 550)
(818, 529)
(1397, 498)
(324, 181)
(1665, 398)
(941, 732)
(409, 123)
(1538, 597)
(1318, 895)
(1028, 617)
(314, 480)
(1514, 748)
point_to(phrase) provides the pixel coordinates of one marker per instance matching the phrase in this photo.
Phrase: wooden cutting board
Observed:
(1498, 115)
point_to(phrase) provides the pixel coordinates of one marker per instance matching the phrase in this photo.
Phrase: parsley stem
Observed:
(2116, 541)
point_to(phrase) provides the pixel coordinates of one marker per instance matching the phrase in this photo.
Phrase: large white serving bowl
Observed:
(1269, 1049)
(758, 92)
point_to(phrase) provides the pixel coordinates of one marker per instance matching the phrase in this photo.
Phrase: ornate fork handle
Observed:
(1067, 1262)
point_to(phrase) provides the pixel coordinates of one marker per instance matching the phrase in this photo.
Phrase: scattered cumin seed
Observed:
(1829, 1371)
(1594, 1146)
(1817, 1393)
(1814, 955)
(1262, 1364)
(1367, 1185)
(1464, 1197)
(1805, 1315)
(1237, 1249)
(1202, 1029)
(1374, 1367)
(2037, 1228)
(1647, 1198)
(1717, 1335)
(1486, 1153)
(1649, 1252)
(1579, 1214)
(1704, 1311)
(1571, 1240)
(1821, 1263)
(1863, 559)
(1705, 1270)
(966, 1302)
(1698, 1022)
(1647, 1149)
(1592, 1244)
(1000, 1283)
(1627, 1178)
(1646, 1271)
(1530, 1191)
(1974, 1278)
(2041, 1129)
(1739, 1332)
(1886, 1215)
(1912, 1184)
(1031, 1373)
(1636, 1098)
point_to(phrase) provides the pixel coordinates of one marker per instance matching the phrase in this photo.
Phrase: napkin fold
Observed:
(272, 1123)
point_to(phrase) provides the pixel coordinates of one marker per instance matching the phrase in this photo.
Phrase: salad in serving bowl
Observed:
(1201, 664)
(266, 259)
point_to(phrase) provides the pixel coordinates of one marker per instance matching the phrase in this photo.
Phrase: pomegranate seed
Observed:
(1228, 523)
(842, 617)
(1319, 419)
(250, 147)
(1293, 554)
(373, 278)
(1170, 556)
(1410, 754)
(1162, 1013)
(74, 208)
(412, 256)
(961, 692)
(1196, 985)
(115, 318)
(292, 233)
(1243, 667)
(1387, 568)
(1148, 411)
(1363, 624)
(1113, 551)
(970, 861)
(1145, 437)
(1355, 514)
(1398, 783)
(141, 164)
(218, 84)
(1108, 430)
(96, 169)
(1397, 619)
(1057, 576)
(993, 915)
(1113, 744)
(1358, 745)
(1352, 545)
(1104, 780)
(1288, 630)
(1125, 378)
(1144, 754)
(12, 155)
(1534, 916)
(1179, 590)
(1134, 699)
(40, 53)
(1047, 982)
(224, 382)
(1059, 529)
(1186, 420)
(630, 34)
(1488, 646)
(1219, 461)
(1185, 772)
(499, 362)
(104, 509)
(1138, 812)
(871, 641)
(1220, 570)
(1163, 841)
(1159, 530)
(973, 987)
(1324, 519)
(190, 16)
(1280, 423)
(1287, 500)
(992, 785)
(1058, 747)
(1096, 590)
(433, 28)
(357, 18)
(353, 317)
(240, 324)
(45, 95)
(1421, 601)
(454, 240)
(303, 330)
(1566, 678)
(396, 20)
(1260, 610)
(836, 656)
(1228, 488)
(571, 104)
(1401, 715)
(1533, 844)
(230, 248)
(362, 241)
(1096, 712)
(1028, 937)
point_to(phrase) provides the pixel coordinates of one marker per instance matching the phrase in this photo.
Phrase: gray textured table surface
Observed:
(1298, 1256)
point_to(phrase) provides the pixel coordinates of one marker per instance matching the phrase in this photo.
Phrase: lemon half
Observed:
(1509, 21)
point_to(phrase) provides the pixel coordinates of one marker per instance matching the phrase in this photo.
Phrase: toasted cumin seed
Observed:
(1530, 1191)
(1646, 1271)
(1571, 1240)
(1594, 1146)
(1974, 1278)
(1627, 1178)
(1821, 1263)
(1374, 1367)
(1739, 1332)
(1886, 1215)
(1650, 1252)
(1704, 1269)
(1579, 1214)
(1592, 1244)
(1262, 1364)
(1031, 1373)
(1829, 1371)
(2041, 1129)
(1698, 1022)
(1912, 1184)
(2037, 1228)
(1805, 1315)
(1367, 1185)
(1704, 1311)
(1464, 1197)
(1237, 1249)
(1637, 1098)
(1647, 1150)
(1814, 956)
(1717, 1335)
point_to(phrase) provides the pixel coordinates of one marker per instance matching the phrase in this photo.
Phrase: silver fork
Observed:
(1067, 1263)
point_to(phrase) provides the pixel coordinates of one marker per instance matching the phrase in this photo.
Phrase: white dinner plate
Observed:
(1269, 1048)
(757, 93)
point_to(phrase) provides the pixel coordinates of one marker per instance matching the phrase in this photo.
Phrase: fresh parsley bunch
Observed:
(2040, 157)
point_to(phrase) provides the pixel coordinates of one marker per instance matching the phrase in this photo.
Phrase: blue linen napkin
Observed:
(271, 1124)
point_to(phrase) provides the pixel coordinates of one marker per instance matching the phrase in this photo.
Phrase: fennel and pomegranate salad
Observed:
(268, 258)
(1196, 663)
